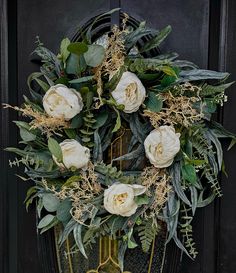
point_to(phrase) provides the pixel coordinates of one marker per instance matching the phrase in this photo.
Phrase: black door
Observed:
(204, 31)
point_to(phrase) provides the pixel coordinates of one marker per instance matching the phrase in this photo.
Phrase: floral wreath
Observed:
(95, 92)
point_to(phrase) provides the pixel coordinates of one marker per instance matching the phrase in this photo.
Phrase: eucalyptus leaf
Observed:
(101, 119)
(50, 225)
(154, 102)
(45, 221)
(64, 51)
(95, 55)
(50, 202)
(72, 64)
(63, 211)
(25, 132)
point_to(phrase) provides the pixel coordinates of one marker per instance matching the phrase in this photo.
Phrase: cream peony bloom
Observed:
(130, 92)
(74, 154)
(119, 198)
(62, 102)
(161, 146)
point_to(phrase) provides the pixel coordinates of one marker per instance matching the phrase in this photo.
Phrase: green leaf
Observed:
(154, 102)
(214, 139)
(118, 121)
(25, 132)
(62, 80)
(131, 242)
(89, 99)
(77, 48)
(205, 202)
(101, 119)
(50, 202)
(189, 173)
(201, 74)
(35, 77)
(95, 55)
(141, 200)
(71, 180)
(27, 135)
(141, 31)
(63, 211)
(50, 225)
(121, 253)
(157, 40)
(168, 80)
(168, 70)
(67, 230)
(55, 148)
(46, 221)
(97, 150)
(71, 133)
(78, 239)
(72, 64)
(83, 79)
(39, 207)
(64, 51)
(176, 181)
(77, 121)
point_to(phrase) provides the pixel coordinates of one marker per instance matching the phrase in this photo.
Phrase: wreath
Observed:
(88, 101)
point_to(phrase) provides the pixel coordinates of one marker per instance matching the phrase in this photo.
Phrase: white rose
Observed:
(119, 198)
(130, 92)
(161, 146)
(74, 154)
(62, 102)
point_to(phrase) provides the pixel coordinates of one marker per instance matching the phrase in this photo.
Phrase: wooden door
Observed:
(203, 31)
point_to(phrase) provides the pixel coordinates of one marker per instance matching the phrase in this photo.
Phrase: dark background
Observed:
(204, 31)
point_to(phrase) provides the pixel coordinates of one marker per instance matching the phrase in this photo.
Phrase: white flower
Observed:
(119, 198)
(161, 146)
(62, 102)
(74, 154)
(130, 92)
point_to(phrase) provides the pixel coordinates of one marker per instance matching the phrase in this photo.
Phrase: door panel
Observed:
(184, 17)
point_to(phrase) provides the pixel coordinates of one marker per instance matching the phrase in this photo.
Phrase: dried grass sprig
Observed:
(178, 109)
(156, 182)
(114, 58)
(81, 192)
(40, 120)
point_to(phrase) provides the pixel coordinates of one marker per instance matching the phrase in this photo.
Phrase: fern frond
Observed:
(187, 231)
(211, 90)
(87, 131)
(147, 232)
(142, 65)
